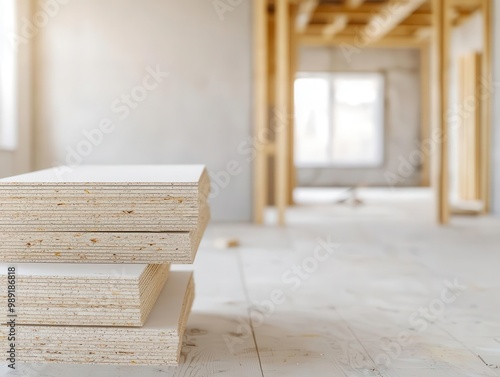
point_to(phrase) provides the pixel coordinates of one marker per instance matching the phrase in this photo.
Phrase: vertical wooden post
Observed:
(282, 115)
(441, 9)
(291, 103)
(469, 141)
(260, 108)
(425, 80)
(486, 94)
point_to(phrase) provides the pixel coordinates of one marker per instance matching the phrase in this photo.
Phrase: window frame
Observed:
(329, 76)
(9, 117)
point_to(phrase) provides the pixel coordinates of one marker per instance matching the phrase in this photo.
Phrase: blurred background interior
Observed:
(287, 102)
(368, 123)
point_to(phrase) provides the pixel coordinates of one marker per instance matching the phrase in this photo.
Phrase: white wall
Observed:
(401, 68)
(94, 51)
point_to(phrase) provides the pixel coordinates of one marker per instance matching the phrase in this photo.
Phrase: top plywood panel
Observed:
(123, 175)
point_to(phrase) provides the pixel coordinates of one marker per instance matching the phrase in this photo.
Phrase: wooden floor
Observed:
(377, 290)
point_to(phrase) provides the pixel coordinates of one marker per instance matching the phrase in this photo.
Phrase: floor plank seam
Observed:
(492, 367)
(247, 297)
(375, 369)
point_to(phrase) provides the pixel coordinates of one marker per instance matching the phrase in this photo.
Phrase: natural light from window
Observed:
(339, 119)
(8, 74)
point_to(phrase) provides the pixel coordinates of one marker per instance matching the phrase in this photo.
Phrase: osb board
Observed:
(99, 295)
(156, 343)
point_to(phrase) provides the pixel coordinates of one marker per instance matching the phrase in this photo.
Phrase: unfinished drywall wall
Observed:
(401, 68)
(162, 82)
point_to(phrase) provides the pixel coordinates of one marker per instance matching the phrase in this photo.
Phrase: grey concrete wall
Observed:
(94, 83)
(401, 68)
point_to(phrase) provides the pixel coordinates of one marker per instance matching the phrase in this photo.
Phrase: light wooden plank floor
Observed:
(377, 290)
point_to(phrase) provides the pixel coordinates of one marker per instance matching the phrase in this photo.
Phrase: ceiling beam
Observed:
(424, 33)
(338, 24)
(408, 30)
(361, 18)
(346, 8)
(465, 3)
(354, 3)
(304, 14)
(342, 40)
(389, 16)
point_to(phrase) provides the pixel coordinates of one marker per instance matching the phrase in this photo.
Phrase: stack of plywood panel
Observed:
(92, 249)
(104, 214)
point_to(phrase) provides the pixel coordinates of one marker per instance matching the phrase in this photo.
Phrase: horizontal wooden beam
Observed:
(401, 30)
(304, 14)
(360, 19)
(458, 16)
(356, 44)
(354, 3)
(389, 16)
(344, 8)
(424, 33)
(466, 3)
(338, 24)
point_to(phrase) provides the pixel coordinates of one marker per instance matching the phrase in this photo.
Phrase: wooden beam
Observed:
(425, 103)
(364, 9)
(486, 117)
(346, 9)
(340, 40)
(354, 3)
(400, 30)
(304, 14)
(338, 24)
(469, 132)
(391, 15)
(260, 107)
(458, 17)
(291, 103)
(442, 47)
(466, 3)
(424, 33)
(282, 116)
(359, 19)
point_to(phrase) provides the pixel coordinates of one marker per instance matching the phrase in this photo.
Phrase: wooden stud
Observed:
(470, 128)
(441, 39)
(425, 79)
(486, 121)
(291, 98)
(260, 108)
(282, 115)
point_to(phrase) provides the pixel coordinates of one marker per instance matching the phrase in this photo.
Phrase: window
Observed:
(8, 74)
(339, 119)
